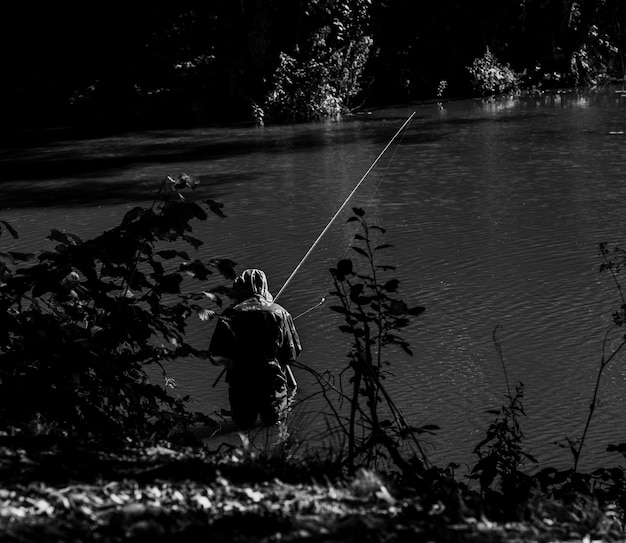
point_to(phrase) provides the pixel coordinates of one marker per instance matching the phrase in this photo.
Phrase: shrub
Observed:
(319, 84)
(80, 323)
(489, 76)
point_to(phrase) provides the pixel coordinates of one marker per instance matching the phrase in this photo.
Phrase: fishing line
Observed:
(290, 375)
(367, 207)
(297, 268)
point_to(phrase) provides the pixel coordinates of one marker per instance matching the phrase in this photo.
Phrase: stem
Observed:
(592, 406)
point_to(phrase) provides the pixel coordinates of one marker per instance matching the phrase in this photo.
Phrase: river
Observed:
(495, 209)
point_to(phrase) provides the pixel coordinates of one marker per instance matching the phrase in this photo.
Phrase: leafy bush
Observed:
(489, 76)
(80, 323)
(321, 83)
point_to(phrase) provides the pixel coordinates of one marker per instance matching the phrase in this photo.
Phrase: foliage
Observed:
(500, 454)
(490, 76)
(198, 62)
(375, 430)
(322, 78)
(79, 324)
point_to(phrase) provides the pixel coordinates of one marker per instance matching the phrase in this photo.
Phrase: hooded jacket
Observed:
(255, 331)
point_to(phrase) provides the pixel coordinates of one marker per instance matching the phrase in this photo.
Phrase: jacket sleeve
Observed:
(222, 346)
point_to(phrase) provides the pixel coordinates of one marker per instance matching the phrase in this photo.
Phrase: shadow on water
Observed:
(78, 192)
(68, 171)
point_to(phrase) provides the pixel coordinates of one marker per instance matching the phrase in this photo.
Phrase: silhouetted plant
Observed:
(501, 456)
(79, 325)
(375, 429)
(612, 261)
(605, 484)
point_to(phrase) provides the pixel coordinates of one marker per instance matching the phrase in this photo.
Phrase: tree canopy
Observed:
(197, 62)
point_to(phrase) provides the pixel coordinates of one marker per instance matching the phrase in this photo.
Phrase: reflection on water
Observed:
(495, 209)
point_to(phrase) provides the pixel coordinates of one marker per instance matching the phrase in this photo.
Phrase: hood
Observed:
(252, 282)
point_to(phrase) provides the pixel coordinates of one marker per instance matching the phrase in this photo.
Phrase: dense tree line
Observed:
(223, 60)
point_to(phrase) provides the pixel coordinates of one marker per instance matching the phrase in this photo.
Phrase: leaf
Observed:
(344, 268)
(225, 267)
(57, 235)
(10, 229)
(358, 211)
(189, 181)
(359, 250)
(431, 427)
(171, 253)
(194, 242)
(206, 314)
(133, 214)
(391, 285)
(398, 307)
(215, 207)
(356, 291)
(195, 269)
(211, 296)
(169, 284)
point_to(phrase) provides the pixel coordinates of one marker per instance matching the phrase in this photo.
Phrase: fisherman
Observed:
(255, 339)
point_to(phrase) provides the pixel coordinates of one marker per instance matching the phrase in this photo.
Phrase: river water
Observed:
(495, 210)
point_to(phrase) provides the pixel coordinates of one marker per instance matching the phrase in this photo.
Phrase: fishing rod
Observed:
(290, 376)
(297, 268)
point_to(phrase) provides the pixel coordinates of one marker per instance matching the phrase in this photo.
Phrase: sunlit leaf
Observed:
(196, 269)
(189, 181)
(206, 314)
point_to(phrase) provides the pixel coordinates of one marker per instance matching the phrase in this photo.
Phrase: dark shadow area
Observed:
(76, 194)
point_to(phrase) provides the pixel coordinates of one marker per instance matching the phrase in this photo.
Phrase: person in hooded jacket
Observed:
(255, 339)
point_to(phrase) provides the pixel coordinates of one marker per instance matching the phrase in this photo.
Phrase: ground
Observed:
(54, 492)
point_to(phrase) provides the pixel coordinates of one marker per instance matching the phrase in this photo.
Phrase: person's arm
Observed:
(224, 361)
(290, 348)
(222, 344)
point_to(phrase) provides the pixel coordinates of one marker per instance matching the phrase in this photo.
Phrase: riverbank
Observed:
(56, 491)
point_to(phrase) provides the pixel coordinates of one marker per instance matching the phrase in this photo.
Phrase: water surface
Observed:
(495, 210)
